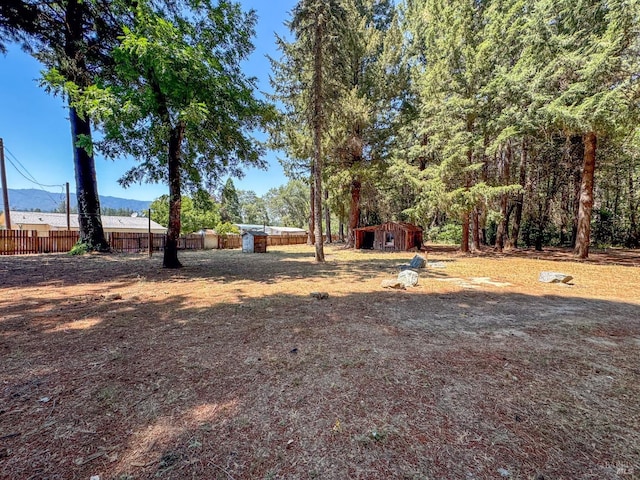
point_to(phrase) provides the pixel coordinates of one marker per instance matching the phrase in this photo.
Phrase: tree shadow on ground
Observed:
(611, 256)
(376, 385)
(125, 270)
(234, 266)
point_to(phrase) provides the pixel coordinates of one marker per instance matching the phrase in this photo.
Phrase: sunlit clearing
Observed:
(76, 325)
(145, 445)
(209, 411)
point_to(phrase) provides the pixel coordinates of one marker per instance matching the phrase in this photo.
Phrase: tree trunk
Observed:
(633, 236)
(355, 152)
(502, 229)
(502, 226)
(586, 196)
(175, 199)
(517, 218)
(318, 205)
(578, 144)
(354, 211)
(341, 215)
(312, 208)
(464, 245)
(539, 240)
(89, 220)
(327, 216)
(318, 124)
(475, 224)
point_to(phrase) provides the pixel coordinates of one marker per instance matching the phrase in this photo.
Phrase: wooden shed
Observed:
(254, 241)
(390, 236)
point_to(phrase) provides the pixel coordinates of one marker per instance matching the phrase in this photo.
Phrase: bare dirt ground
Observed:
(228, 369)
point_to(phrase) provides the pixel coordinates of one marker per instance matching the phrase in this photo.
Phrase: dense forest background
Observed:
(499, 122)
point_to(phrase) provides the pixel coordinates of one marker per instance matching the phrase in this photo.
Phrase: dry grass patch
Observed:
(228, 369)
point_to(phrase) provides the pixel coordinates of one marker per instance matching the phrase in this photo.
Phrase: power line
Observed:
(32, 179)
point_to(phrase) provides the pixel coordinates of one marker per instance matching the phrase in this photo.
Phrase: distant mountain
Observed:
(33, 199)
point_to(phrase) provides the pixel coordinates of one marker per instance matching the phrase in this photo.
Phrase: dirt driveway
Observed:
(229, 369)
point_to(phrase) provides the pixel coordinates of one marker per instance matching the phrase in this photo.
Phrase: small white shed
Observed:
(254, 241)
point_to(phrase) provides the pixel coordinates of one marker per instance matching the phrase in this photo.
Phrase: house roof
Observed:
(248, 226)
(285, 230)
(255, 233)
(271, 229)
(409, 227)
(59, 220)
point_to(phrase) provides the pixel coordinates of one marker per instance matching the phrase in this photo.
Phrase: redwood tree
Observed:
(586, 196)
(585, 52)
(74, 68)
(72, 39)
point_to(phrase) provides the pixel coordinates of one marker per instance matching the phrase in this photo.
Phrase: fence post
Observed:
(5, 190)
(68, 207)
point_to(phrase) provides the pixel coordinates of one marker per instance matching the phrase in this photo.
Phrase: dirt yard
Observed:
(112, 367)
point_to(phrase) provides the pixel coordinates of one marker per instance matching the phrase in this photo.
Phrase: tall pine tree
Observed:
(584, 75)
(313, 61)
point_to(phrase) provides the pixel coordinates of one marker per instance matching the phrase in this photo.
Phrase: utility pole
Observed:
(150, 234)
(68, 209)
(5, 191)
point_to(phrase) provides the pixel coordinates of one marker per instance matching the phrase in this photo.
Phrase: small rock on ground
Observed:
(418, 261)
(319, 295)
(392, 284)
(554, 277)
(409, 278)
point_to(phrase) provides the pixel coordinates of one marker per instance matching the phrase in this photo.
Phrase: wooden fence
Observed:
(275, 240)
(58, 241)
(219, 242)
(235, 241)
(20, 242)
(139, 242)
(125, 242)
(227, 241)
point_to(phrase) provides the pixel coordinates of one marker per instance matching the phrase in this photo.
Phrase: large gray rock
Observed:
(554, 277)
(418, 261)
(408, 278)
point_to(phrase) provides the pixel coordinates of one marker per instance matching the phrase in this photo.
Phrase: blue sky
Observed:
(36, 132)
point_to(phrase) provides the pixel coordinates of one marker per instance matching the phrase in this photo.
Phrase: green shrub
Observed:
(226, 228)
(80, 248)
(449, 234)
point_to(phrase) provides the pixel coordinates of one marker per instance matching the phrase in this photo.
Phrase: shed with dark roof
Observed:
(390, 236)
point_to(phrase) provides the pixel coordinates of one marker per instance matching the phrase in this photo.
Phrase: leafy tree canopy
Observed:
(288, 205)
(179, 101)
(230, 205)
(194, 216)
(252, 208)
